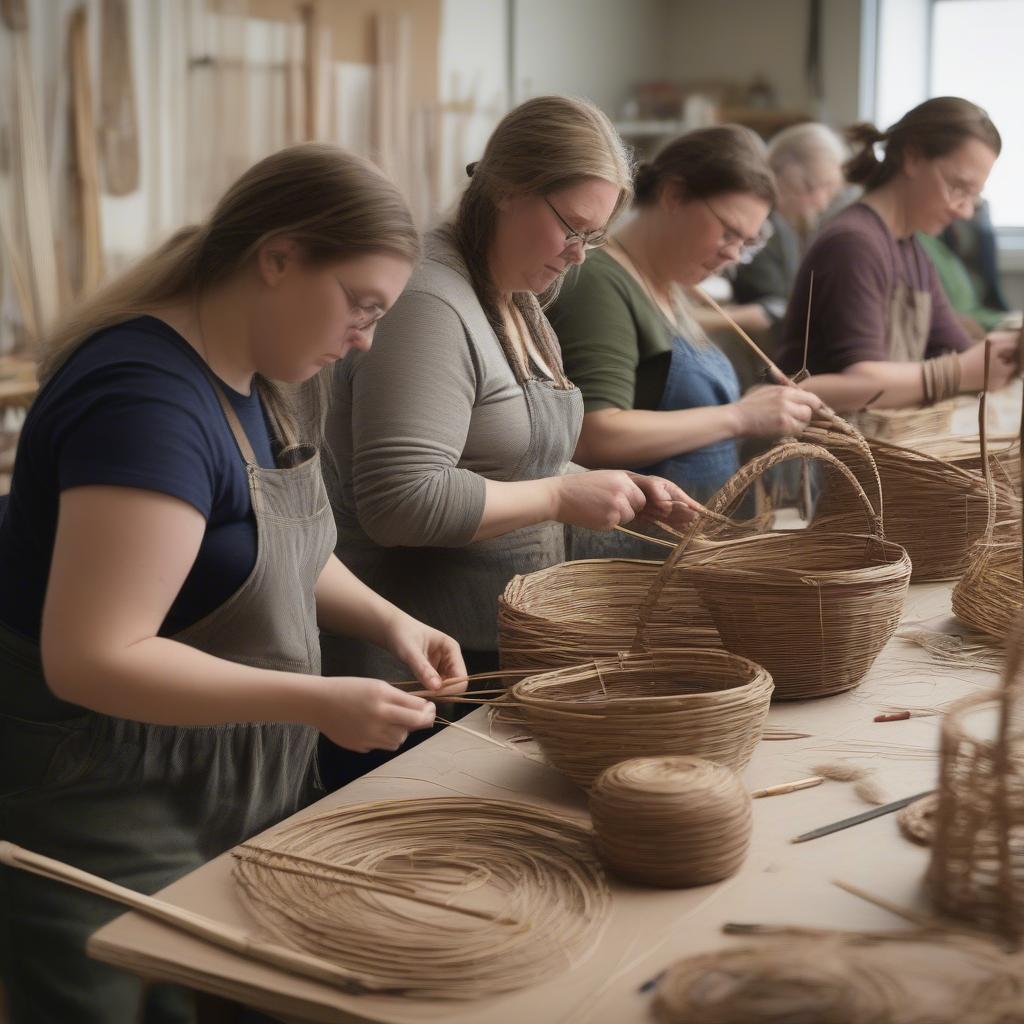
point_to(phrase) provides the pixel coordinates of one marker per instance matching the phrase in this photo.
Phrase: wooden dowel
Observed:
(215, 932)
(788, 787)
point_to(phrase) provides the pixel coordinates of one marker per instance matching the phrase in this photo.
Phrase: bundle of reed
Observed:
(814, 608)
(901, 426)
(671, 821)
(431, 898)
(703, 703)
(934, 508)
(964, 451)
(977, 864)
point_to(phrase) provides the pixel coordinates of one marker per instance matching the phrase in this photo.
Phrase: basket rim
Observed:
(755, 676)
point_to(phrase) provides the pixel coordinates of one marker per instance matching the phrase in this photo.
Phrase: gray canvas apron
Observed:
(457, 589)
(143, 804)
(910, 321)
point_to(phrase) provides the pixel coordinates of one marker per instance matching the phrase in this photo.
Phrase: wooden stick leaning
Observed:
(215, 932)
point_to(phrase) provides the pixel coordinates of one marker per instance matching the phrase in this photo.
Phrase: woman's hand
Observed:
(775, 411)
(432, 656)
(370, 714)
(1002, 363)
(600, 499)
(665, 502)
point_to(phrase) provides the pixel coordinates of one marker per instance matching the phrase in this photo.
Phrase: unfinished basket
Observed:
(977, 864)
(704, 703)
(901, 426)
(814, 608)
(934, 508)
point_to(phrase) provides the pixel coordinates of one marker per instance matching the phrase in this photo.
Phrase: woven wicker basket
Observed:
(977, 864)
(814, 608)
(933, 507)
(705, 703)
(901, 426)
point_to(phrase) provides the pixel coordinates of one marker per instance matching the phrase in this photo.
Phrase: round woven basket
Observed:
(671, 821)
(977, 864)
(814, 608)
(705, 703)
(932, 506)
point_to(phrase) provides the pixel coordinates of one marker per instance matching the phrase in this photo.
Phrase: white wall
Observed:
(596, 49)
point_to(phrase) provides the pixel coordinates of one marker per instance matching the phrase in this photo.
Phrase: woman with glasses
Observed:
(166, 561)
(453, 436)
(881, 327)
(658, 395)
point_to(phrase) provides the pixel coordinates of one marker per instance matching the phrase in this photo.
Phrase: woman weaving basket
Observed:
(453, 436)
(881, 326)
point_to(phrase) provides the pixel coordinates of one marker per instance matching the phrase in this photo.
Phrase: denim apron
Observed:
(142, 804)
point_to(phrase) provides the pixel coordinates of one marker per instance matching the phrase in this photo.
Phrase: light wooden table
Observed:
(649, 929)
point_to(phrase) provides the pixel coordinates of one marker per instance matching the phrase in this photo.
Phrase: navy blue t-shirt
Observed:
(134, 406)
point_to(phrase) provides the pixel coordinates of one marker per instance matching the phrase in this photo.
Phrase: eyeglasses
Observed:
(361, 317)
(957, 192)
(588, 239)
(748, 247)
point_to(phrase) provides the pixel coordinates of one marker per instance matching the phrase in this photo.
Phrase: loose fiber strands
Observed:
(933, 508)
(703, 703)
(527, 893)
(814, 608)
(671, 821)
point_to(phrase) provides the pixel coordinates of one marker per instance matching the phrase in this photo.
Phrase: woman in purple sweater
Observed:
(880, 323)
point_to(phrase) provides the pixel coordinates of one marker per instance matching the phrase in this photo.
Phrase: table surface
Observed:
(780, 883)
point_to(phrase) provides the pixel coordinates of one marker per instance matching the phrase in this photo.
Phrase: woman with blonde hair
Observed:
(453, 436)
(881, 326)
(658, 395)
(166, 563)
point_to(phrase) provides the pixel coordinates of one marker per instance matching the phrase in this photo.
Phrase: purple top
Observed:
(857, 264)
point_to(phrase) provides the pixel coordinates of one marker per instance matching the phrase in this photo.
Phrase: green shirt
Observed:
(616, 345)
(957, 283)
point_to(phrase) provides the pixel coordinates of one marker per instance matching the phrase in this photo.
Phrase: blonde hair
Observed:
(333, 204)
(543, 145)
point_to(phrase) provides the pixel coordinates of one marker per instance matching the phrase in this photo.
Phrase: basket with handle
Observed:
(814, 608)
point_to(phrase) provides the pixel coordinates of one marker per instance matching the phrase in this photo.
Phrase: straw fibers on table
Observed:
(704, 703)
(671, 821)
(344, 886)
(933, 507)
(918, 977)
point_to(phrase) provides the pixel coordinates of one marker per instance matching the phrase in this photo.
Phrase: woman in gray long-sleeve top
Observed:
(453, 435)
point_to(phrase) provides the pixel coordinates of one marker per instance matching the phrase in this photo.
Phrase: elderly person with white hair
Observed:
(806, 160)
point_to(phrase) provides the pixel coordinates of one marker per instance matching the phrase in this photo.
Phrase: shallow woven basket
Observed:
(901, 426)
(706, 703)
(814, 608)
(977, 864)
(933, 507)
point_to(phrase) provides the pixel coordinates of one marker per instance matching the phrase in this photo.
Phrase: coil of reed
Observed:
(704, 703)
(432, 898)
(977, 864)
(902, 426)
(934, 508)
(815, 608)
(671, 821)
(812, 976)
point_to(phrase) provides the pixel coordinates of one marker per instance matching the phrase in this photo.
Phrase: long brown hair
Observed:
(934, 129)
(708, 162)
(333, 204)
(541, 146)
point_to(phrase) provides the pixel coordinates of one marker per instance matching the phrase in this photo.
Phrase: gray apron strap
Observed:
(910, 318)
